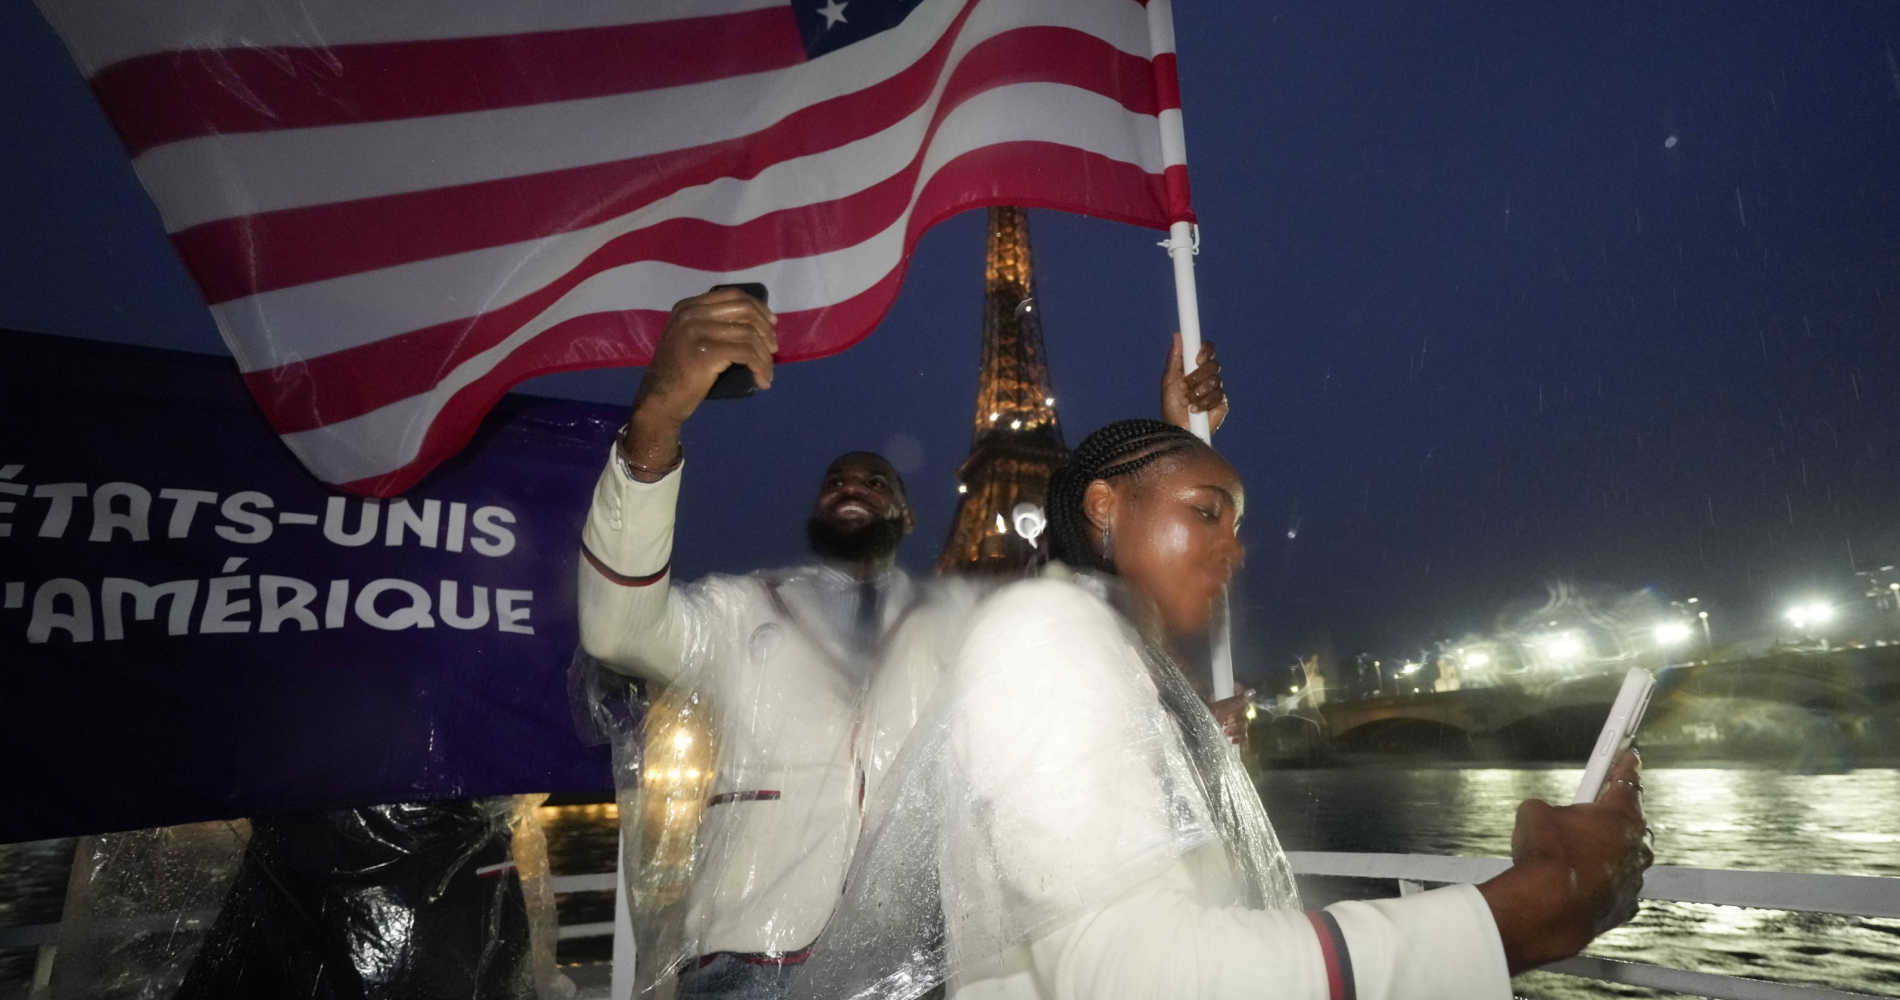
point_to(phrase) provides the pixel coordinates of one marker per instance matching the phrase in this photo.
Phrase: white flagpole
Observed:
(1183, 243)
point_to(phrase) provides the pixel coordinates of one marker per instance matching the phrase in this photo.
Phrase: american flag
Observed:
(398, 210)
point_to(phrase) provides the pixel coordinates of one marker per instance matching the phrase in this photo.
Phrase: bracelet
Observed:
(640, 473)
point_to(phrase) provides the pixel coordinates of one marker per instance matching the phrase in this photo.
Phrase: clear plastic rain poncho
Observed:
(413, 900)
(1065, 765)
(1062, 765)
(776, 701)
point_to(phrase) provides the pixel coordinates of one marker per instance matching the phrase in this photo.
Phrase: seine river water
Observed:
(1843, 824)
(1836, 824)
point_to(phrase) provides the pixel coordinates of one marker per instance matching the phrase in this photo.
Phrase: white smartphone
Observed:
(1619, 731)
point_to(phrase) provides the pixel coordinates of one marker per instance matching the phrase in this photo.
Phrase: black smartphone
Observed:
(736, 381)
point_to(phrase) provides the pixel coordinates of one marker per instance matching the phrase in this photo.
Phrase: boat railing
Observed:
(1840, 895)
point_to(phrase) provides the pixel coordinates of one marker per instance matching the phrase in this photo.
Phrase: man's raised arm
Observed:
(630, 616)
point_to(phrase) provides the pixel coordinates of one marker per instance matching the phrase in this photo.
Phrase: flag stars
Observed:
(833, 12)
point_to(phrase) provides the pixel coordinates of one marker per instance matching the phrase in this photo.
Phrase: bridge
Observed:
(1843, 702)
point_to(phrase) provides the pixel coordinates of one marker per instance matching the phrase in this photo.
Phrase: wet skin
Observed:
(1175, 532)
(858, 488)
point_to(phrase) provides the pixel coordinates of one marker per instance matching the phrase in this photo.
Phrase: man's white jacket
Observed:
(773, 656)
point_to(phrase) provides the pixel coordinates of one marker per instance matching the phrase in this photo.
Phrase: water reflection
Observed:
(1751, 819)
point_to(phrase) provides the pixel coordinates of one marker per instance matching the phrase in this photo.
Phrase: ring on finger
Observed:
(1636, 786)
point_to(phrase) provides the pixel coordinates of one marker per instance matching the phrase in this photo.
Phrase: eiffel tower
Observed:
(1016, 441)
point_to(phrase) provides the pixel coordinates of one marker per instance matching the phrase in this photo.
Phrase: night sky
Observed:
(1512, 294)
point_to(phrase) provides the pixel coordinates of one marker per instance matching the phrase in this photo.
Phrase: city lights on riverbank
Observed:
(1582, 632)
(1562, 647)
(1673, 633)
(1810, 615)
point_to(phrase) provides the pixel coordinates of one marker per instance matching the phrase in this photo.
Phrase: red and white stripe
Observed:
(398, 211)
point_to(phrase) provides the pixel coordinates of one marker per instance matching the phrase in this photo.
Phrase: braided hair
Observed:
(1122, 448)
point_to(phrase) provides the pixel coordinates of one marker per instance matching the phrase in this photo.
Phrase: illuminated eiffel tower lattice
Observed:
(1017, 440)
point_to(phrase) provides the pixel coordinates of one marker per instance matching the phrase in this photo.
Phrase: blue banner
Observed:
(193, 628)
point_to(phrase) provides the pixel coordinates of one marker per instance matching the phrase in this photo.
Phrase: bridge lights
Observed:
(1693, 614)
(1810, 615)
(1672, 633)
(1563, 647)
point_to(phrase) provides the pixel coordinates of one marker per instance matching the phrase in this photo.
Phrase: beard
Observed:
(868, 542)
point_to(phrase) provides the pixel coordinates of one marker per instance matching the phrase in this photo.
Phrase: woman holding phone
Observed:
(1072, 823)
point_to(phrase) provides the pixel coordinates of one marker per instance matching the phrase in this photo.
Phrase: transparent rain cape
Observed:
(1064, 763)
(741, 786)
(389, 902)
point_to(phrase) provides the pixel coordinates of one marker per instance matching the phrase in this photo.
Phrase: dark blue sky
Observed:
(1507, 294)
